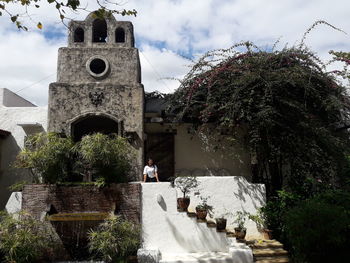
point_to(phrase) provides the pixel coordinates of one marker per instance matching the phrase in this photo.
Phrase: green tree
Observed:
(47, 156)
(64, 7)
(289, 108)
(104, 158)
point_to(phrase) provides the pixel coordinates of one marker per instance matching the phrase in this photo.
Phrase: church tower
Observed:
(98, 86)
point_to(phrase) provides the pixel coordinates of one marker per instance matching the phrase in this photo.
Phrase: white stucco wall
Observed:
(194, 157)
(10, 146)
(10, 99)
(172, 232)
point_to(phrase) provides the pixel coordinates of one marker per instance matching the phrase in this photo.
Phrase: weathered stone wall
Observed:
(124, 199)
(69, 103)
(100, 79)
(124, 65)
(112, 25)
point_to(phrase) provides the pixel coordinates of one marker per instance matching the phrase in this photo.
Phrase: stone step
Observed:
(191, 214)
(282, 259)
(230, 234)
(211, 224)
(202, 257)
(261, 245)
(269, 252)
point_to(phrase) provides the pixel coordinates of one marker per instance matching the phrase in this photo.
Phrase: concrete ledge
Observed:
(148, 256)
(14, 204)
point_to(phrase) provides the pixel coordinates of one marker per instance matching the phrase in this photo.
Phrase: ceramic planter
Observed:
(240, 233)
(267, 233)
(182, 204)
(201, 213)
(221, 224)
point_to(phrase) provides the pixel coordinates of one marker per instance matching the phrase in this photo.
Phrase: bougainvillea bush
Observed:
(290, 109)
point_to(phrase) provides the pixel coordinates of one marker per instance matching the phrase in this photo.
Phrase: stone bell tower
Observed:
(98, 86)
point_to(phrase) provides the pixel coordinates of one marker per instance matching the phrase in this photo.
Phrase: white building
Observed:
(18, 119)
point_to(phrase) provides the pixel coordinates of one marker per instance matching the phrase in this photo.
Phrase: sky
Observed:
(167, 32)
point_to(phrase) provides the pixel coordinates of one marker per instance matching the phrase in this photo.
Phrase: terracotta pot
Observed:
(240, 233)
(267, 233)
(131, 259)
(201, 213)
(182, 204)
(221, 224)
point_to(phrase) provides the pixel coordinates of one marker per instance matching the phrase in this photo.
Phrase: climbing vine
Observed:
(290, 108)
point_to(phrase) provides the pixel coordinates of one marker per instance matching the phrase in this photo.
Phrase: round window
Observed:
(97, 67)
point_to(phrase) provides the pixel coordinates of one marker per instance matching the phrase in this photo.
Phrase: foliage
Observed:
(115, 238)
(53, 159)
(186, 184)
(106, 158)
(288, 107)
(203, 205)
(318, 229)
(62, 7)
(260, 219)
(240, 219)
(47, 156)
(275, 211)
(24, 239)
(18, 186)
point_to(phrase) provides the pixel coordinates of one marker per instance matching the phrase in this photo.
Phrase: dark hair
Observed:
(150, 159)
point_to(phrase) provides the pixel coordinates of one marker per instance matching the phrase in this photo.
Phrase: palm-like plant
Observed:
(114, 239)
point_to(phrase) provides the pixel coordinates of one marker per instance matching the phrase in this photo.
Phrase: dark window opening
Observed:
(99, 30)
(79, 35)
(93, 124)
(97, 66)
(119, 35)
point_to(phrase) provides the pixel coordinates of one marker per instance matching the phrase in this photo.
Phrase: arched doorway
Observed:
(93, 124)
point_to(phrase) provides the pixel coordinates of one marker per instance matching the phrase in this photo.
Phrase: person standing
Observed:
(150, 172)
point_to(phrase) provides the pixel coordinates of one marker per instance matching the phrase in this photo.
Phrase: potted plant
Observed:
(241, 230)
(202, 209)
(221, 221)
(185, 185)
(260, 221)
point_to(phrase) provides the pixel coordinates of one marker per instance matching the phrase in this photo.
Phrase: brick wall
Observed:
(124, 199)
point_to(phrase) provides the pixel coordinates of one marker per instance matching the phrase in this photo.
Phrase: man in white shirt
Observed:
(150, 172)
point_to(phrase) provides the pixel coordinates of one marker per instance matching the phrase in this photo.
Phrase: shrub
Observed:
(105, 158)
(275, 210)
(114, 239)
(18, 186)
(47, 156)
(185, 184)
(319, 228)
(24, 239)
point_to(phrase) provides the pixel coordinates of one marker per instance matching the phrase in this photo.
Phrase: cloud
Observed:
(165, 28)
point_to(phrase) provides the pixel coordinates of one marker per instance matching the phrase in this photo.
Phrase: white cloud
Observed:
(183, 27)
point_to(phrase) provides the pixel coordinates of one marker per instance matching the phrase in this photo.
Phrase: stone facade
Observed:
(123, 199)
(99, 75)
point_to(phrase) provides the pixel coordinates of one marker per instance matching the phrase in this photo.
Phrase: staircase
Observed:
(171, 236)
(268, 251)
(236, 252)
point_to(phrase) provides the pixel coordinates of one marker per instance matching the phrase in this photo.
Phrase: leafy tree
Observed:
(104, 158)
(47, 156)
(62, 7)
(289, 108)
